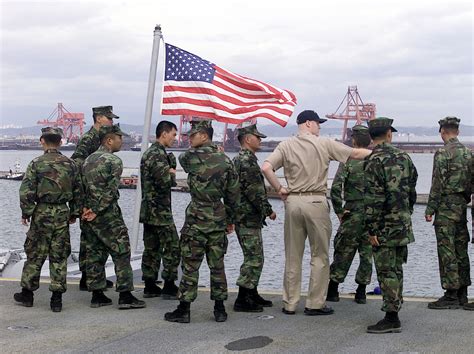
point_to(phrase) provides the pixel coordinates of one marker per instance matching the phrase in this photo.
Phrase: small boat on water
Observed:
(14, 175)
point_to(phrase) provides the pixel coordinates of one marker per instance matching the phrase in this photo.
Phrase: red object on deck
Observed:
(355, 109)
(72, 124)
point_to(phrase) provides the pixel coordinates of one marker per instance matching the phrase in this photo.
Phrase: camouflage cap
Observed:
(199, 125)
(360, 129)
(381, 122)
(52, 131)
(110, 129)
(105, 111)
(451, 121)
(251, 129)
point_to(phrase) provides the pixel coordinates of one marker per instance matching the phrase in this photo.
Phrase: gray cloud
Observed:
(413, 60)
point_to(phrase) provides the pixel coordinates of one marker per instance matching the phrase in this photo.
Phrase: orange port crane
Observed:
(72, 124)
(355, 109)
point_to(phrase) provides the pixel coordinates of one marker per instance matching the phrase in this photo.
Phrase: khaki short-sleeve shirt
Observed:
(305, 160)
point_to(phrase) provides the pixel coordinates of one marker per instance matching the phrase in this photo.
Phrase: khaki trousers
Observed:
(306, 216)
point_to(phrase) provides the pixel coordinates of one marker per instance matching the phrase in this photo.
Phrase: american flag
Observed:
(194, 86)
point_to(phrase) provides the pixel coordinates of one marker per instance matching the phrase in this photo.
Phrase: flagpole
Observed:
(157, 37)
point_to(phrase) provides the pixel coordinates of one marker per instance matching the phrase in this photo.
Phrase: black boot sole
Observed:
(131, 306)
(100, 304)
(169, 297)
(388, 330)
(56, 308)
(220, 318)
(361, 301)
(148, 296)
(333, 299)
(446, 307)
(242, 309)
(178, 320)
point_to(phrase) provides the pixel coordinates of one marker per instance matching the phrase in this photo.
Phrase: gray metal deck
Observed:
(79, 328)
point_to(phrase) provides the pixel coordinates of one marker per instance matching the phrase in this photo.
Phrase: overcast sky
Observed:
(413, 59)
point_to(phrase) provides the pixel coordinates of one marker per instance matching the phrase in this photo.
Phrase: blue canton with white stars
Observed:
(184, 66)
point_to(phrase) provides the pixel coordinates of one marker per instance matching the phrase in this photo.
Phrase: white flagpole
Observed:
(157, 37)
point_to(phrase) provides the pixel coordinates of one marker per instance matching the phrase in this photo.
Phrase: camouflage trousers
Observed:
(351, 237)
(48, 236)
(250, 240)
(452, 241)
(82, 247)
(107, 234)
(161, 242)
(194, 246)
(389, 265)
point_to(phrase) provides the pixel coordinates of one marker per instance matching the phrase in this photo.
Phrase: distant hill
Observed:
(328, 128)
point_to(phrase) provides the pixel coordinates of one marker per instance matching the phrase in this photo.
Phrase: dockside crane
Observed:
(353, 109)
(72, 124)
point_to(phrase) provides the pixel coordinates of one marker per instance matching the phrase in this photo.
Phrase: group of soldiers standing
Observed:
(373, 195)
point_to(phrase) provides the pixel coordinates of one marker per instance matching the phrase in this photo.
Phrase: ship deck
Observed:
(79, 328)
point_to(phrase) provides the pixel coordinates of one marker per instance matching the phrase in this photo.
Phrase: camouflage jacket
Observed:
(254, 206)
(451, 183)
(348, 186)
(211, 178)
(88, 144)
(51, 178)
(390, 195)
(156, 182)
(101, 178)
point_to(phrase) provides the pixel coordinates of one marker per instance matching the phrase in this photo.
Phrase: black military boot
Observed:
(182, 314)
(390, 324)
(83, 282)
(56, 302)
(469, 306)
(258, 299)
(245, 302)
(151, 289)
(109, 283)
(360, 296)
(25, 298)
(219, 311)
(448, 301)
(170, 290)
(462, 295)
(128, 301)
(99, 299)
(333, 293)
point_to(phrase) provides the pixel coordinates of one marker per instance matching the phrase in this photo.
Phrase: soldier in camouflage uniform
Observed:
(450, 193)
(211, 178)
(158, 175)
(89, 143)
(253, 209)
(104, 225)
(51, 183)
(390, 195)
(351, 237)
(470, 306)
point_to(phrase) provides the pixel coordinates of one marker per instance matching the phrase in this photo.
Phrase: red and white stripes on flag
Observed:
(194, 86)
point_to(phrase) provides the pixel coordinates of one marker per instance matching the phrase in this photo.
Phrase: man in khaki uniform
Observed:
(305, 159)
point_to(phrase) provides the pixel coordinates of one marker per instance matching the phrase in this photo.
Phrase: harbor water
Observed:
(421, 272)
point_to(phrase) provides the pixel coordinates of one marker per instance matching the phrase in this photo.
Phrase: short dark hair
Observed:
(164, 126)
(377, 132)
(240, 138)
(209, 131)
(52, 139)
(450, 128)
(94, 117)
(361, 140)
